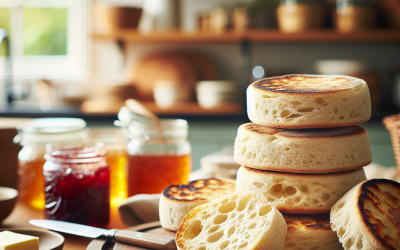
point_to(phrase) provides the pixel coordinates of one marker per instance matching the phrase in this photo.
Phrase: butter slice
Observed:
(14, 241)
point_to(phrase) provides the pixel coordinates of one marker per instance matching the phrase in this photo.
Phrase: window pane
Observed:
(45, 31)
(4, 24)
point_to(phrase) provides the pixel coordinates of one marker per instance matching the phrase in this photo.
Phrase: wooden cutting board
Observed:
(152, 227)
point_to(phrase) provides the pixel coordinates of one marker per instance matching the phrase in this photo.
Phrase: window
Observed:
(48, 38)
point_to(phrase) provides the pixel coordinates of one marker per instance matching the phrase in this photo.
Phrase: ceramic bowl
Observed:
(47, 240)
(8, 197)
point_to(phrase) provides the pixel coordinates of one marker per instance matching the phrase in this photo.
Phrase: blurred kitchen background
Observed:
(191, 59)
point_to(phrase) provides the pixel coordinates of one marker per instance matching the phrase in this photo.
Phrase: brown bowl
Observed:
(47, 240)
(8, 197)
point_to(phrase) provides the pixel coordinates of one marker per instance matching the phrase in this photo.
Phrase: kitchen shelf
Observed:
(186, 108)
(261, 35)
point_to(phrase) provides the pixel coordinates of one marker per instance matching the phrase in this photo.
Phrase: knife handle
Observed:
(145, 240)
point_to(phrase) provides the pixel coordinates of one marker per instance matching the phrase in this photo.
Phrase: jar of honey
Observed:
(115, 145)
(34, 136)
(77, 184)
(156, 160)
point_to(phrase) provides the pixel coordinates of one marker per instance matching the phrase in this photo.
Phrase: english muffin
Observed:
(238, 221)
(368, 216)
(302, 150)
(308, 101)
(177, 200)
(298, 193)
(310, 232)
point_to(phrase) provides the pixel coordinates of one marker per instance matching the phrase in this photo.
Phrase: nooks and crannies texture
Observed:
(308, 101)
(239, 221)
(302, 150)
(368, 216)
(176, 201)
(298, 193)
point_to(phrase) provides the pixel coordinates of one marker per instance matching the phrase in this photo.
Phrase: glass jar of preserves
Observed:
(115, 145)
(156, 161)
(77, 184)
(34, 136)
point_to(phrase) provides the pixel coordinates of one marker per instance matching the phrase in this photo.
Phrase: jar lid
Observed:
(46, 130)
(53, 125)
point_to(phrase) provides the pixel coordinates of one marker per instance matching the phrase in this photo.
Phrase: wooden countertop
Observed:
(21, 215)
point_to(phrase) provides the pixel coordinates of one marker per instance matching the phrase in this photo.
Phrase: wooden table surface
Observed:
(21, 215)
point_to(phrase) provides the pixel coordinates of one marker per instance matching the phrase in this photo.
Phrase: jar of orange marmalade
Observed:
(34, 136)
(156, 161)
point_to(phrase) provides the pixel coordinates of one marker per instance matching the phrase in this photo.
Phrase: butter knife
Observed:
(151, 241)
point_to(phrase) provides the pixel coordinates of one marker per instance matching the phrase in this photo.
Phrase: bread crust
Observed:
(310, 231)
(308, 101)
(368, 216)
(178, 200)
(297, 192)
(304, 150)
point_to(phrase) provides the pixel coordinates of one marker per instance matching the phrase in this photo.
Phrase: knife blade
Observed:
(124, 236)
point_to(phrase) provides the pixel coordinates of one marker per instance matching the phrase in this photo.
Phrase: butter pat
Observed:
(14, 241)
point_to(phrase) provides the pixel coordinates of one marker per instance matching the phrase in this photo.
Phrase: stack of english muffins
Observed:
(304, 150)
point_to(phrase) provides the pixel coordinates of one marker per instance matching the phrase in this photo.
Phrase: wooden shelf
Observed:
(133, 36)
(186, 108)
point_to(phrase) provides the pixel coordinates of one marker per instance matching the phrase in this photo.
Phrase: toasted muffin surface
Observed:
(308, 101)
(239, 221)
(310, 232)
(379, 205)
(299, 193)
(204, 189)
(177, 200)
(302, 150)
(305, 84)
(367, 217)
(297, 222)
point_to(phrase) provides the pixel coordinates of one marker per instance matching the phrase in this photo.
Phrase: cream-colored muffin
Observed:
(302, 150)
(239, 221)
(368, 216)
(310, 232)
(178, 200)
(308, 101)
(298, 193)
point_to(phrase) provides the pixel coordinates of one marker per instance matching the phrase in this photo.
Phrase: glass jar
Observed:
(300, 15)
(115, 145)
(77, 184)
(354, 15)
(34, 136)
(154, 161)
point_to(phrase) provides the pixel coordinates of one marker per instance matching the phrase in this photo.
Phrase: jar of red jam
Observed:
(77, 184)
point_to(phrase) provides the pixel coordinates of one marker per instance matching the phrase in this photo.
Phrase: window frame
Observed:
(74, 65)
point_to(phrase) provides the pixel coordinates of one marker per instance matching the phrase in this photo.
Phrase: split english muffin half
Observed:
(178, 200)
(368, 216)
(308, 101)
(298, 193)
(238, 221)
(302, 150)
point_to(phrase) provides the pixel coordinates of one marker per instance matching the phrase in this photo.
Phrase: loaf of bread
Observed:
(302, 150)
(178, 200)
(298, 193)
(310, 232)
(308, 101)
(368, 216)
(238, 221)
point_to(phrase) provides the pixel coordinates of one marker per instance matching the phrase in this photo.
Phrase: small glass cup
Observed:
(77, 184)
